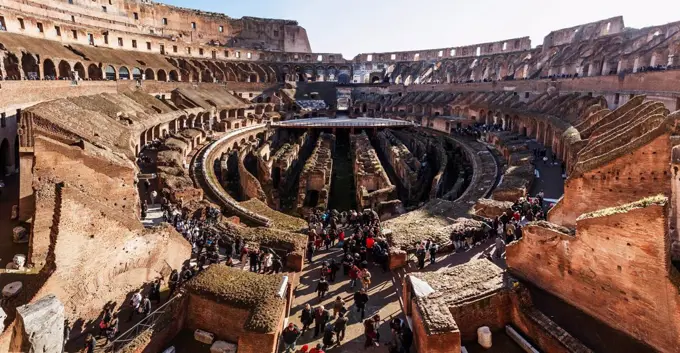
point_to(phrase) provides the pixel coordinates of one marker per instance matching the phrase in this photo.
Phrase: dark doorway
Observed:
(311, 198)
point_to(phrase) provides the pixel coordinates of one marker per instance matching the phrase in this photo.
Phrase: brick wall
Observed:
(616, 269)
(638, 174)
(492, 311)
(227, 324)
(444, 342)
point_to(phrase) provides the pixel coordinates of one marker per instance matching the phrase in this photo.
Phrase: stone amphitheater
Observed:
(543, 173)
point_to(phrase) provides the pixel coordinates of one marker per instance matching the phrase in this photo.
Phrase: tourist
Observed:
(500, 247)
(333, 269)
(317, 349)
(146, 306)
(347, 263)
(135, 303)
(420, 255)
(90, 344)
(277, 266)
(155, 293)
(433, 253)
(328, 336)
(173, 281)
(365, 278)
(290, 336)
(321, 318)
(360, 300)
(153, 196)
(112, 329)
(354, 275)
(307, 317)
(310, 252)
(340, 326)
(338, 306)
(254, 260)
(104, 323)
(370, 331)
(322, 288)
(268, 262)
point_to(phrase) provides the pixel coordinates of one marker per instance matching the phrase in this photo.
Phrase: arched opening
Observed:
(136, 73)
(162, 76)
(80, 70)
(207, 76)
(173, 76)
(268, 109)
(375, 79)
(94, 72)
(64, 70)
(5, 157)
(343, 78)
(110, 73)
(252, 78)
(12, 67)
(49, 70)
(311, 198)
(30, 66)
(149, 74)
(124, 73)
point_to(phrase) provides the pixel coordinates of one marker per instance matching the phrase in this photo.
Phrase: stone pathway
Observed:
(154, 216)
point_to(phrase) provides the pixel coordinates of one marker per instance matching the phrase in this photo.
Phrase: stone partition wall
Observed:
(316, 175)
(405, 165)
(615, 268)
(373, 186)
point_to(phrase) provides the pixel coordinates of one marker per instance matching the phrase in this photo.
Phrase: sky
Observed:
(351, 27)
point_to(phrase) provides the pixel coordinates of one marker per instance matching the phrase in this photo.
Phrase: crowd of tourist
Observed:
(359, 236)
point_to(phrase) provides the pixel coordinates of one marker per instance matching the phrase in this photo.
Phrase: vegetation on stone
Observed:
(244, 290)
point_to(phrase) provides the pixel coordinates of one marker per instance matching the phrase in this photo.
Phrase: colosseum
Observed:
(175, 180)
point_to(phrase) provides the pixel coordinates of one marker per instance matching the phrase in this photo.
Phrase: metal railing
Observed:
(146, 323)
(327, 123)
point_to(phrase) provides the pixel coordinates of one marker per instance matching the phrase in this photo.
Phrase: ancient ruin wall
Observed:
(317, 174)
(402, 161)
(616, 268)
(634, 175)
(373, 186)
(250, 185)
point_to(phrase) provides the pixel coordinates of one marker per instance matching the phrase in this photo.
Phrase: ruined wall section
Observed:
(250, 185)
(316, 175)
(635, 174)
(373, 186)
(608, 270)
(405, 165)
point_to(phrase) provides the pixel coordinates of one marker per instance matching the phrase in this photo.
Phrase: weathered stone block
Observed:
(39, 326)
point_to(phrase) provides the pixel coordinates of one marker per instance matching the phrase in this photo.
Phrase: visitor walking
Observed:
(290, 336)
(307, 317)
(360, 300)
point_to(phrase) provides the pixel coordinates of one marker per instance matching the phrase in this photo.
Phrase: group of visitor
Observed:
(509, 225)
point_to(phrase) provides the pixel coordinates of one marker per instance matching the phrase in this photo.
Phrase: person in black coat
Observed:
(340, 326)
(307, 317)
(321, 318)
(322, 288)
(334, 268)
(360, 300)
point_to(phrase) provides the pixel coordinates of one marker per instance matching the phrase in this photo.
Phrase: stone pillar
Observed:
(39, 326)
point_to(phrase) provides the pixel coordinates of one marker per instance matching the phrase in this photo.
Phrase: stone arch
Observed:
(268, 109)
(64, 69)
(162, 76)
(136, 73)
(207, 76)
(49, 70)
(124, 73)
(29, 64)
(174, 77)
(12, 71)
(80, 69)
(94, 72)
(110, 72)
(149, 74)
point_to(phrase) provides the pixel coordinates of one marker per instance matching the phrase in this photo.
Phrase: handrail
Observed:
(293, 123)
(144, 324)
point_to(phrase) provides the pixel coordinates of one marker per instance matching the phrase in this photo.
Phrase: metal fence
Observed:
(330, 124)
(150, 321)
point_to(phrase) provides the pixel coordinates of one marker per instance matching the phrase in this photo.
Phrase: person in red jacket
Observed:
(354, 273)
(317, 349)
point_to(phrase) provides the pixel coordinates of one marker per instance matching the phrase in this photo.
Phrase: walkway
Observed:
(550, 179)
(342, 122)
(384, 296)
